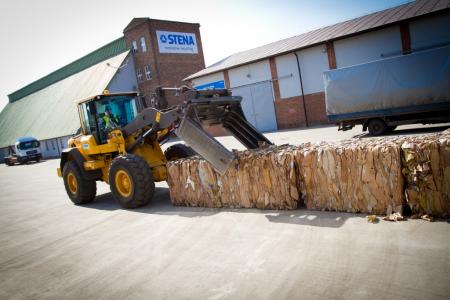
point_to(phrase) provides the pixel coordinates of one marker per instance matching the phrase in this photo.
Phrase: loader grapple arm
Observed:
(211, 108)
(226, 110)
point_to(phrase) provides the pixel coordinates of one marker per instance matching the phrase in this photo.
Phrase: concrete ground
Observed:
(51, 249)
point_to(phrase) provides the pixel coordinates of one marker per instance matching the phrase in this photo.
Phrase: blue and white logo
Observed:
(163, 39)
(177, 42)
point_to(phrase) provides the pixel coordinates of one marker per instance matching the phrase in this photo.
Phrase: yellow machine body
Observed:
(120, 141)
(99, 157)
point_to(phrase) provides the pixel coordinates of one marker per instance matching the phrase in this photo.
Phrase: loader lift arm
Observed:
(203, 108)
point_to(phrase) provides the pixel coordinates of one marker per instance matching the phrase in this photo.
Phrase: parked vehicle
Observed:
(380, 95)
(24, 150)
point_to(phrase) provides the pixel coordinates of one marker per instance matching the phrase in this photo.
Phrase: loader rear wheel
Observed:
(79, 190)
(178, 151)
(131, 181)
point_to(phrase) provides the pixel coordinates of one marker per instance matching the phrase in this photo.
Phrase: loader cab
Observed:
(101, 114)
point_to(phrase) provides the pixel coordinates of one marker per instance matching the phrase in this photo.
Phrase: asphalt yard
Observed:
(52, 249)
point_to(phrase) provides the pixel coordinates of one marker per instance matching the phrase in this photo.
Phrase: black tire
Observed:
(139, 179)
(21, 161)
(38, 159)
(178, 151)
(8, 162)
(377, 127)
(85, 189)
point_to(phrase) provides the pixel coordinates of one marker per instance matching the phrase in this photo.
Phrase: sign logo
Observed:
(177, 42)
(211, 85)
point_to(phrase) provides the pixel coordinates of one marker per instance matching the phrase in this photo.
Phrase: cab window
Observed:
(116, 111)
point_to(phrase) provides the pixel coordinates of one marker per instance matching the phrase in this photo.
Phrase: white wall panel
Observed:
(288, 78)
(430, 31)
(251, 73)
(313, 62)
(207, 79)
(368, 47)
(50, 148)
(3, 153)
(125, 79)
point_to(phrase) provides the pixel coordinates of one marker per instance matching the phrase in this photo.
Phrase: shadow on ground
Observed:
(162, 205)
(411, 131)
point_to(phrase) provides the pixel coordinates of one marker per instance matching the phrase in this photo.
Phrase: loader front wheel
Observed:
(131, 181)
(79, 190)
(178, 151)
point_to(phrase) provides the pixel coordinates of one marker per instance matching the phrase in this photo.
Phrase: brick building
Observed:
(164, 53)
(281, 83)
(150, 53)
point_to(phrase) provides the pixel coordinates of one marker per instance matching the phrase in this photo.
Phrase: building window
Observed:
(148, 73)
(143, 46)
(139, 75)
(134, 46)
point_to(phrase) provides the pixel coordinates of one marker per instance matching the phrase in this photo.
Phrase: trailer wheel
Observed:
(79, 190)
(376, 127)
(178, 151)
(8, 162)
(131, 181)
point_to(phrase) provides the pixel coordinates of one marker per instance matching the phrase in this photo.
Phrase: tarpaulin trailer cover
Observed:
(404, 84)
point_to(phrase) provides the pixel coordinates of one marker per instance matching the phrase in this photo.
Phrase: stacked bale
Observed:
(351, 176)
(359, 175)
(264, 179)
(426, 168)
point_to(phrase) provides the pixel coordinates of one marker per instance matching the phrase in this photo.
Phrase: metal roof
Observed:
(51, 112)
(321, 35)
(105, 52)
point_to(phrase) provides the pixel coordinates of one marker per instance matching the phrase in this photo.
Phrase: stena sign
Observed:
(176, 42)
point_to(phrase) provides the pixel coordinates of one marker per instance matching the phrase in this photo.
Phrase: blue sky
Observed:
(41, 36)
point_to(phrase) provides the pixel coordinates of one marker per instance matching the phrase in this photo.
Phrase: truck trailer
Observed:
(406, 89)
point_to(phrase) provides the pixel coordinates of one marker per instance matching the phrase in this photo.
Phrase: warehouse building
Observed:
(150, 53)
(281, 83)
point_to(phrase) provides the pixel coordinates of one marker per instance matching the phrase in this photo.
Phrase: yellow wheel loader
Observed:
(120, 141)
